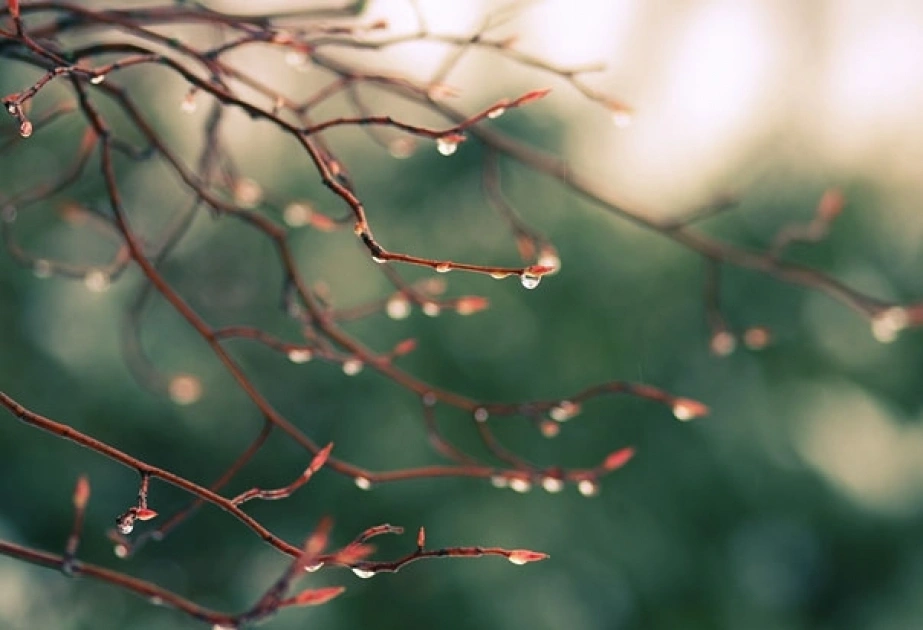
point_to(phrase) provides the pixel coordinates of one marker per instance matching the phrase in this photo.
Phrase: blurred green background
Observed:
(796, 504)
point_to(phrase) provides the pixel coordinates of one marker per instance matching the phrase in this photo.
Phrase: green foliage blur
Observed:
(796, 504)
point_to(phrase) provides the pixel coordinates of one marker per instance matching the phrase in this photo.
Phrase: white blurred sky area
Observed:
(720, 87)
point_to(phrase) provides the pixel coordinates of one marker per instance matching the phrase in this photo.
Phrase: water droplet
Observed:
(121, 551)
(622, 118)
(297, 214)
(223, 626)
(99, 78)
(125, 527)
(431, 309)
(499, 481)
(189, 104)
(11, 109)
(42, 268)
(564, 411)
(496, 112)
(363, 483)
(299, 355)
(550, 429)
(529, 281)
(552, 484)
(520, 484)
(96, 280)
(297, 59)
(723, 343)
(439, 91)
(362, 573)
(429, 399)
(888, 323)
(379, 259)
(481, 414)
(185, 389)
(499, 275)
(402, 148)
(588, 488)
(398, 307)
(155, 600)
(443, 268)
(313, 568)
(757, 337)
(247, 192)
(446, 147)
(25, 129)
(351, 367)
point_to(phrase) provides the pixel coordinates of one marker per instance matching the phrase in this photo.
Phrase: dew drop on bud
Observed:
(552, 484)
(42, 268)
(313, 568)
(299, 355)
(431, 309)
(520, 485)
(524, 556)
(723, 343)
(687, 409)
(185, 389)
(481, 414)
(443, 268)
(247, 192)
(401, 148)
(588, 488)
(99, 78)
(189, 105)
(398, 307)
(297, 59)
(362, 573)
(96, 280)
(25, 129)
(499, 481)
(622, 118)
(351, 367)
(888, 323)
(446, 147)
(564, 411)
(496, 112)
(363, 483)
(529, 280)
